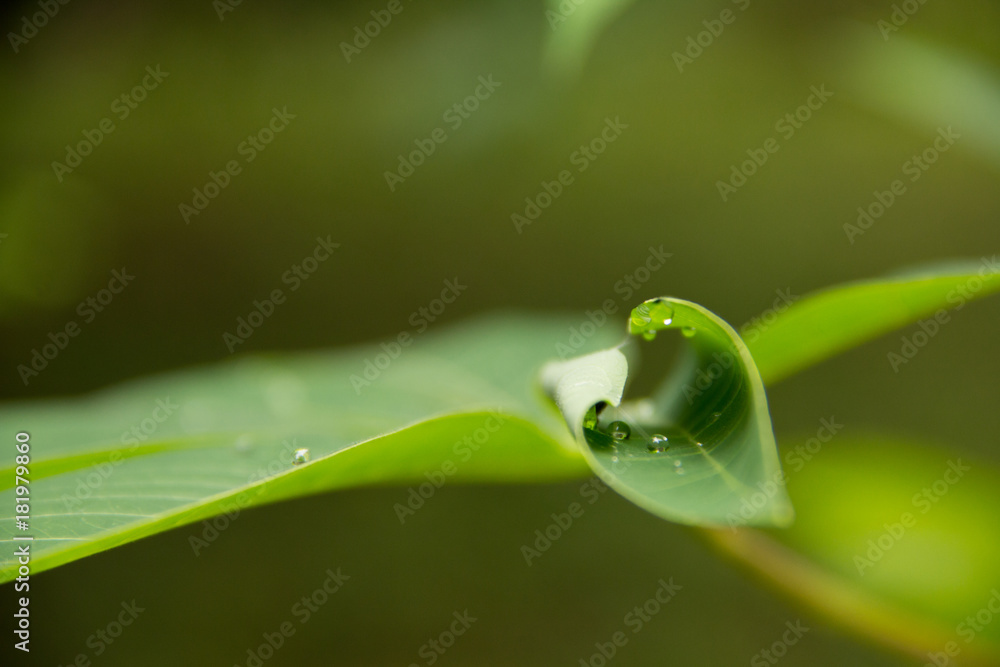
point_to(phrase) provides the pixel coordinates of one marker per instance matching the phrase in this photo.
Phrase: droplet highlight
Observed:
(300, 456)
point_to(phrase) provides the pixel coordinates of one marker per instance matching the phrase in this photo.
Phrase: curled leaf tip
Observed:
(700, 450)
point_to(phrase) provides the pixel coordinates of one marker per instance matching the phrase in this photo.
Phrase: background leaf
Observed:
(907, 559)
(832, 320)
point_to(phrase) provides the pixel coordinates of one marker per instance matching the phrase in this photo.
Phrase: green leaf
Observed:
(161, 453)
(153, 455)
(836, 319)
(701, 450)
(904, 559)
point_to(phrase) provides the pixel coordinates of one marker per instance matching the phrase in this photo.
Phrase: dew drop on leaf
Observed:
(649, 334)
(640, 316)
(688, 332)
(658, 443)
(660, 311)
(619, 430)
(300, 456)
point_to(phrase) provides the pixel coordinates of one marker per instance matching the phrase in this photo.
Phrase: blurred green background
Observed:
(323, 175)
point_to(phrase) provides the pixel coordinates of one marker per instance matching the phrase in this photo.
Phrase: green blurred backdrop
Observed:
(323, 176)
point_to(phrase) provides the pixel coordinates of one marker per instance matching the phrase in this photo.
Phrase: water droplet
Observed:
(619, 430)
(700, 444)
(716, 415)
(688, 332)
(640, 316)
(680, 470)
(658, 443)
(614, 459)
(661, 312)
(590, 419)
(678, 463)
(300, 456)
(649, 334)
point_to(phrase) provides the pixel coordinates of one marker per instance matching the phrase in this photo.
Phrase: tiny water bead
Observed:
(640, 316)
(660, 311)
(619, 430)
(300, 456)
(658, 443)
(688, 332)
(649, 316)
